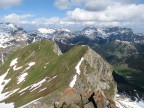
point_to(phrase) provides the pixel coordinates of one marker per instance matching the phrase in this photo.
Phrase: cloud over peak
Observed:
(15, 18)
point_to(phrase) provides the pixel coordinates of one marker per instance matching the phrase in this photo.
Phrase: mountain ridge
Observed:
(72, 70)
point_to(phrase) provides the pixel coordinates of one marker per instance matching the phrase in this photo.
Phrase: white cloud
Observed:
(42, 22)
(116, 13)
(91, 5)
(94, 13)
(9, 3)
(30, 20)
(47, 21)
(68, 22)
(97, 5)
(14, 18)
(100, 5)
(102, 12)
(88, 12)
(62, 4)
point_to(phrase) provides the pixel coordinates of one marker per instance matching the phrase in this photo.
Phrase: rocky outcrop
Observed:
(94, 87)
(57, 49)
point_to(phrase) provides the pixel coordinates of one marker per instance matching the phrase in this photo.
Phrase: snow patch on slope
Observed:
(2, 77)
(42, 90)
(22, 77)
(17, 68)
(37, 85)
(78, 66)
(8, 94)
(3, 96)
(72, 83)
(13, 62)
(4, 105)
(125, 102)
(24, 89)
(31, 64)
(30, 103)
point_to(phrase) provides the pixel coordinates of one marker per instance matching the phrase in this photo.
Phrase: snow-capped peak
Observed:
(9, 33)
(62, 29)
(66, 30)
(88, 31)
(46, 30)
(102, 32)
(9, 27)
(12, 26)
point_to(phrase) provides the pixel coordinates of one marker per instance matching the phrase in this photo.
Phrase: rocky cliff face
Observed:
(92, 86)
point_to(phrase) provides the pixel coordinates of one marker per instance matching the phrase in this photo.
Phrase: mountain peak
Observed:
(52, 31)
(10, 34)
(46, 30)
(79, 71)
(10, 27)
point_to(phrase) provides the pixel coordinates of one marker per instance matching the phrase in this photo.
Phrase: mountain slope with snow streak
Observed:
(34, 73)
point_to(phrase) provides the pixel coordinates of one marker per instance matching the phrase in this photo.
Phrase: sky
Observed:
(73, 14)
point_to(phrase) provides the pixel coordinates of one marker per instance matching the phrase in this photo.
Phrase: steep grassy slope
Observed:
(40, 69)
(46, 60)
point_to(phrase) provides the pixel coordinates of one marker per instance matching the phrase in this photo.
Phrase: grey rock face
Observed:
(98, 73)
(94, 87)
(57, 50)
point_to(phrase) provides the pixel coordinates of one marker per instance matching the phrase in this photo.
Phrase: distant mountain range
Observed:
(98, 35)
(11, 33)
